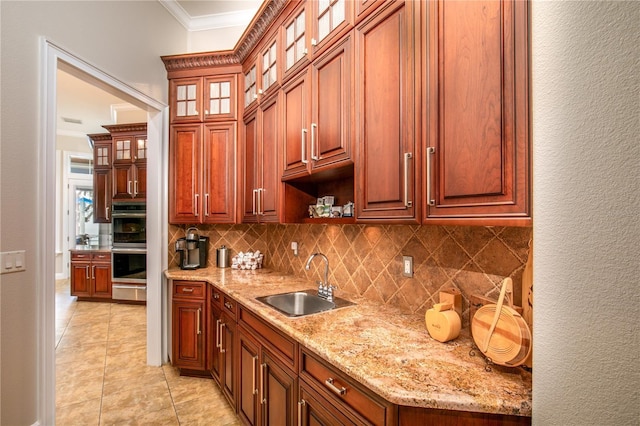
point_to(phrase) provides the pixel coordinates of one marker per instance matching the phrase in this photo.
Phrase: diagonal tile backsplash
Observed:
(367, 259)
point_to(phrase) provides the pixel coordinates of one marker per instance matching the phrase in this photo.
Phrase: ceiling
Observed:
(85, 104)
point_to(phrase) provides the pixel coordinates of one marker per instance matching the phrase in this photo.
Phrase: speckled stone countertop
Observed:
(388, 351)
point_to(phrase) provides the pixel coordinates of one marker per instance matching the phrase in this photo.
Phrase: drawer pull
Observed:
(222, 349)
(228, 305)
(218, 334)
(330, 385)
(216, 296)
(187, 290)
(301, 404)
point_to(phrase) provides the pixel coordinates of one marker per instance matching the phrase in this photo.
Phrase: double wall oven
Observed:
(129, 251)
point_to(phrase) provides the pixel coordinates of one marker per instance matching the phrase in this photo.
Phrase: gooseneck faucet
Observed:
(324, 289)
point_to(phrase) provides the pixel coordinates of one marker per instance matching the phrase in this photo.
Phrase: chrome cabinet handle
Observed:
(263, 383)
(86, 272)
(222, 349)
(407, 202)
(228, 305)
(199, 331)
(254, 198)
(430, 150)
(301, 404)
(187, 290)
(216, 296)
(93, 272)
(314, 153)
(260, 207)
(106, 212)
(206, 204)
(218, 334)
(135, 188)
(304, 147)
(254, 378)
(334, 389)
(197, 202)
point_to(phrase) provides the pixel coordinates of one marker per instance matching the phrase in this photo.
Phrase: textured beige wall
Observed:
(125, 40)
(586, 121)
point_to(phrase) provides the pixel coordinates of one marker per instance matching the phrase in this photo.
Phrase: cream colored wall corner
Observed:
(586, 163)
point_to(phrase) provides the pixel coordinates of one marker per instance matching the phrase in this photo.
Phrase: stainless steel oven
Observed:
(129, 251)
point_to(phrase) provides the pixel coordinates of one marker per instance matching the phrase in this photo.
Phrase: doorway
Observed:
(157, 112)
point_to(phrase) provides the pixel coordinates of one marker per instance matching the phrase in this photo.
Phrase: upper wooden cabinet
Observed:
(201, 173)
(129, 151)
(318, 114)
(478, 158)
(388, 152)
(260, 170)
(195, 99)
(296, 41)
(102, 177)
(331, 19)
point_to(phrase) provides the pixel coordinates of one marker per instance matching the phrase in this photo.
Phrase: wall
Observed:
(586, 121)
(216, 39)
(124, 39)
(366, 259)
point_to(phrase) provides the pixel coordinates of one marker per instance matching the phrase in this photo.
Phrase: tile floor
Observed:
(102, 377)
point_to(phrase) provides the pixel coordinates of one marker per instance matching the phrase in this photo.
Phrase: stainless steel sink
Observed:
(300, 303)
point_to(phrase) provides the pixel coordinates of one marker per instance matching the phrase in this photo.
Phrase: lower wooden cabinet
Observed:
(266, 388)
(91, 275)
(313, 409)
(189, 326)
(222, 344)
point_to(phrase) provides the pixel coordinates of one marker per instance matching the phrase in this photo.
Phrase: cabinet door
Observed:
(185, 173)
(215, 360)
(296, 41)
(218, 173)
(101, 279)
(479, 116)
(185, 99)
(123, 181)
(269, 178)
(331, 18)
(227, 348)
(220, 98)
(331, 129)
(296, 116)
(188, 336)
(81, 279)
(102, 186)
(386, 176)
(248, 382)
(278, 392)
(140, 181)
(250, 165)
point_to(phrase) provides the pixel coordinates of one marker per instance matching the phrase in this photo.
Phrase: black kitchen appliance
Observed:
(193, 250)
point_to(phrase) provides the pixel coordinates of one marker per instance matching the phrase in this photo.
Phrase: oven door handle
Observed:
(129, 250)
(128, 215)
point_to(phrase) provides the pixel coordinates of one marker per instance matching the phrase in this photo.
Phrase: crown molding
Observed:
(133, 127)
(207, 22)
(250, 38)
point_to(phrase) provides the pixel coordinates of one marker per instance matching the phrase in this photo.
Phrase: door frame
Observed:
(157, 135)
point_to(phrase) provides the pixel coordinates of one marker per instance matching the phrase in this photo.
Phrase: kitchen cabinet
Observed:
(203, 98)
(318, 114)
(313, 409)
(331, 19)
(102, 177)
(388, 152)
(189, 333)
(296, 38)
(201, 173)
(260, 163)
(267, 380)
(477, 160)
(90, 275)
(129, 147)
(222, 343)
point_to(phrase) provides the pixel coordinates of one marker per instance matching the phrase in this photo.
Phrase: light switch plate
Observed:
(12, 261)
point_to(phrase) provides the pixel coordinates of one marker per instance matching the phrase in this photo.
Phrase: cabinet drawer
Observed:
(344, 389)
(101, 257)
(283, 347)
(229, 306)
(189, 289)
(86, 256)
(216, 297)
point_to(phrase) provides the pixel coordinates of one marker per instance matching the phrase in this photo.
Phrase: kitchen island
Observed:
(387, 351)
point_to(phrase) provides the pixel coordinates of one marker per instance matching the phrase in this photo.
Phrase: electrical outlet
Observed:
(407, 266)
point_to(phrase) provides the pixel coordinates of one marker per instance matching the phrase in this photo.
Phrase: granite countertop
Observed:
(95, 248)
(388, 351)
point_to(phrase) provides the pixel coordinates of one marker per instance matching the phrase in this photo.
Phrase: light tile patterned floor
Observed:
(102, 377)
